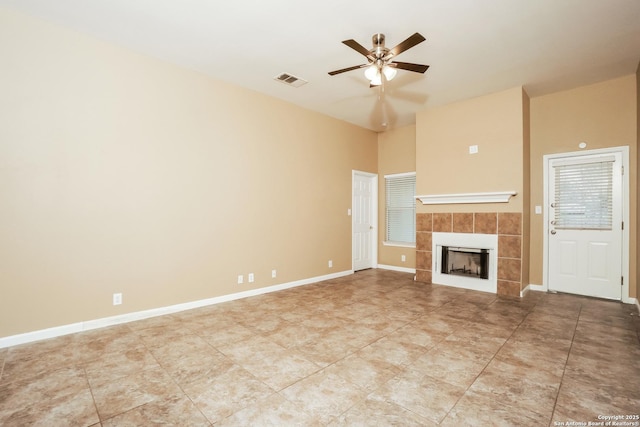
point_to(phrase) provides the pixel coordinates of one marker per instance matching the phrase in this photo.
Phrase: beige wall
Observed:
(396, 154)
(122, 173)
(602, 115)
(635, 260)
(443, 164)
(526, 186)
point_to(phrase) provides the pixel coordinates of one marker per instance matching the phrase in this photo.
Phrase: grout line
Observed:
(93, 397)
(575, 328)
(488, 363)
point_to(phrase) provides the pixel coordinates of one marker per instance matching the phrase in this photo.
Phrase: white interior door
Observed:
(585, 225)
(364, 219)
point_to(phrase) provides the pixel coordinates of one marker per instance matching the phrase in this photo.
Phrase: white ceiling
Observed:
(474, 47)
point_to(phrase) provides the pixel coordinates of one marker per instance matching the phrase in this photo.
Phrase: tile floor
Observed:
(370, 349)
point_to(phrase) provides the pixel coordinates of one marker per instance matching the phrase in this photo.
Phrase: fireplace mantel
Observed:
(448, 199)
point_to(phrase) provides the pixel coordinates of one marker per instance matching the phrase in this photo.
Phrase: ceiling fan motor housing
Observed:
(378, 51)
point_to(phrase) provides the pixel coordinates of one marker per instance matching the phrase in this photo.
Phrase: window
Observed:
(400, 191)
(584, 195)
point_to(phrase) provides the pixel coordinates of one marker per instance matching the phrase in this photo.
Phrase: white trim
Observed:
(154, 312)
(471, 240)
(493, 197)
(532, 288)
(624, 150)
(399, 245)
(399, 175)
(374, 215)
(395, 268)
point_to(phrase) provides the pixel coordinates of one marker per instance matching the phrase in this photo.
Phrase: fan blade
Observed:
(417, 68)
(407, 44)
(344, 70)
(357, 47)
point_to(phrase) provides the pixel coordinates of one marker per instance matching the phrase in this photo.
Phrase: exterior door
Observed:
(585, 225)
(364, 220)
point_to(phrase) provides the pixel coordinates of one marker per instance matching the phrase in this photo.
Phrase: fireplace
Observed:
(465, 260)
(469, 262)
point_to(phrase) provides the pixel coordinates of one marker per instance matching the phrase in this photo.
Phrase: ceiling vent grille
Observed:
(290, 79)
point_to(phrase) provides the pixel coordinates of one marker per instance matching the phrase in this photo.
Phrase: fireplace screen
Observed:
(468, 262)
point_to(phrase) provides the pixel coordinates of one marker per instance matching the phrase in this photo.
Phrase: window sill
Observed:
(400, 245)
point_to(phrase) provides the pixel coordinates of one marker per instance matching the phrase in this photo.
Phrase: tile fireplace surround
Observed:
(507, 225)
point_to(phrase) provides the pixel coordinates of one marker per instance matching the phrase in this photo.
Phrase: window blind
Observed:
(584, 196)
(401, 208)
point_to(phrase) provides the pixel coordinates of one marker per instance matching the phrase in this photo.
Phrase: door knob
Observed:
(371, 227)
(553, 231)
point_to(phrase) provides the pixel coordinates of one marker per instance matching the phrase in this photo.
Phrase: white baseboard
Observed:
(394, 268)
(154, 312)
(532, 287)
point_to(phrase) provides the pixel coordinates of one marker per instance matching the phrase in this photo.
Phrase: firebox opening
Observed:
(469, 262)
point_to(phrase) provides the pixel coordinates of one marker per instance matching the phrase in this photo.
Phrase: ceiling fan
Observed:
(380, 65)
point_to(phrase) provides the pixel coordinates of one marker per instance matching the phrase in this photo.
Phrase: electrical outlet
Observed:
(330, 263)
(117, 299)
(273, 274)
(403, 258)
(251, 278)
(240, 279)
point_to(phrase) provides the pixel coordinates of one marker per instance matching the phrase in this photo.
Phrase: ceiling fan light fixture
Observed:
(389, 72)
(377, 81)
(372, 72)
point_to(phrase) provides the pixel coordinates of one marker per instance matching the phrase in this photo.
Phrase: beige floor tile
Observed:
(276, 366)
(324, 395)
(35, 359)
(428, 397)
(226, 391)
(515, 386)
(533, 356)
(380, 323)
(331, 348)
(452, 367)
(419, 334)
(598, 333)
(126, 393)
(369, 374)
(226, 333)
(482, 339)
(397, 349)
(595, 370)
(157, 336)
(94, 344)
(290, 335)
(53, 398)
(581, 401)
(474, 410)
(175, 410)
(189, 359)
(373, 412)
(112, 366)
(274, 410)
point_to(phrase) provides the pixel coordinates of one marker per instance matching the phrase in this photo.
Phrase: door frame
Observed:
(373, 177)
(624, 151)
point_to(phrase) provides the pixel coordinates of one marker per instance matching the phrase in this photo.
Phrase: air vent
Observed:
(290, 79)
